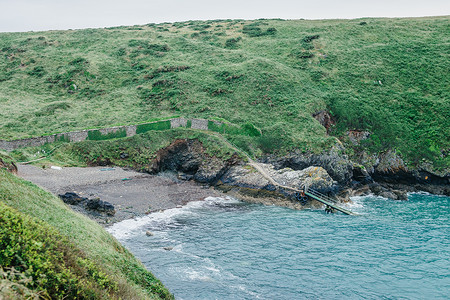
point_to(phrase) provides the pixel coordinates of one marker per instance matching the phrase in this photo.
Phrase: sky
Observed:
(37, 15)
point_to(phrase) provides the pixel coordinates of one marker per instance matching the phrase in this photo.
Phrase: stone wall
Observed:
(78, 136)
(178, 122)
(199, 124)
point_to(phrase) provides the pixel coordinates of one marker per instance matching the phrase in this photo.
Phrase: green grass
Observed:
(96, 135)
(163, 125)
(48, 250)
(387, 76)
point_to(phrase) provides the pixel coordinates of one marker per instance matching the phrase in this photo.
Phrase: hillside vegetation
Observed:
(49, 251)
(386, 76)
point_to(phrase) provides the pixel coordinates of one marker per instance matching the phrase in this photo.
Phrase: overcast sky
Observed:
(27, 15)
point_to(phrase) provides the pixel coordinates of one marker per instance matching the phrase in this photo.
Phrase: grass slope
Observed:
(65, 253)
(387, 76)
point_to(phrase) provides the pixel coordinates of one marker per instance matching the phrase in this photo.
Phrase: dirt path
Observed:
(132, 193)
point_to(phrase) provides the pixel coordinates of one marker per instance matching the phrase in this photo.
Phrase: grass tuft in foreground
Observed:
(63, 253)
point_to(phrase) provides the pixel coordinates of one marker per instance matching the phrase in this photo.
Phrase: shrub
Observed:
(271, 31)
(80, 61)
(232, 43)
(310, 38)
(37, 71)
(251, 130)
(57, 267)
(253, 30)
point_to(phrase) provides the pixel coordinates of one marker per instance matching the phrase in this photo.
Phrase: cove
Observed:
(222, 248)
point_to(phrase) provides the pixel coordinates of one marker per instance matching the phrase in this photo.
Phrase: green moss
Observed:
(96, 135)
(163, 125)
(226, 128)
(63, 138)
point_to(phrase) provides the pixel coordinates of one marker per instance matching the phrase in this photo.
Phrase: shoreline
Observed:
(133, 194)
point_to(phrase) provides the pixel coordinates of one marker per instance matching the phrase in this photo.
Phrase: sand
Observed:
(132, 193)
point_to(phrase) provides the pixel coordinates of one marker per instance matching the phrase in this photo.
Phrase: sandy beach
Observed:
(132, 193)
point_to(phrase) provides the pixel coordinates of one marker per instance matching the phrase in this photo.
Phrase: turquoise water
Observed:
(226, 249)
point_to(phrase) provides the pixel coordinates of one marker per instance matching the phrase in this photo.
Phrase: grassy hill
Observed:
(48, 250)
(386, 76)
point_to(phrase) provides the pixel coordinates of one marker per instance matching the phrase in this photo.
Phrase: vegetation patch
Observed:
(57, 267)
(65, 254)
(385, 76)
(163, 125)
(96, 135)
(253, 30)
(232, 43)
(52, 108)
(225, 128)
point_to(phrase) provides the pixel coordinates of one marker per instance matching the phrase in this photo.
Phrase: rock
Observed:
(388, 194)
(246, 177)
(376, 188)
(325, 119)
(148, 233)
(361, 191)
(185, 177)
(356, 136)
(72, 198)
(344, 195)
(188, 158)
(211, 171)
(252, 186)
(311, 177)
(361, 174)
(100, 206)
(390, 164)
(182, 155)
(401, 195)
(335, 162)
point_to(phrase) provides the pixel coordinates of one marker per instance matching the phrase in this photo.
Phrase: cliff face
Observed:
(385, 175)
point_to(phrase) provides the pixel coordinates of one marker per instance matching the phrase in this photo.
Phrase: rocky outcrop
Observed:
(93, 205)
(337, 164)
(325, 119)
(249, 184)
(390, 171)
(356, 136)
(188, 159)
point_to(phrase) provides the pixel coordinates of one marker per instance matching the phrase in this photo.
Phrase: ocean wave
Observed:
(162, 219)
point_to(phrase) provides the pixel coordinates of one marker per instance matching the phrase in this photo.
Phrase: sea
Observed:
(223, 248)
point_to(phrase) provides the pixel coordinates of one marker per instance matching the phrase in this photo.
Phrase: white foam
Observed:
(131, 227)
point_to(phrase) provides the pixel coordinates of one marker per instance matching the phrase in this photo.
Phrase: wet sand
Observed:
(132, 193)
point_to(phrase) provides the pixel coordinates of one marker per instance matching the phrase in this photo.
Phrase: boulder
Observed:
(72, 198)
(311, 177)
(100, 206)
(248, 177)
(95, 204)
(334, 161)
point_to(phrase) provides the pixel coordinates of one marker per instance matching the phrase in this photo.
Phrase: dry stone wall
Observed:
(78, 136)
